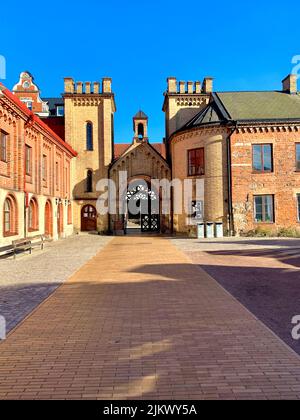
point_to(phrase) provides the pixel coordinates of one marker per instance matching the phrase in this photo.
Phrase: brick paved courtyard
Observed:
(26, 282)
(263, 274)
(140, 320)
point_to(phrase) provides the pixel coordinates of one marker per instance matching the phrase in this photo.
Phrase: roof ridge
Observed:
(35, 118)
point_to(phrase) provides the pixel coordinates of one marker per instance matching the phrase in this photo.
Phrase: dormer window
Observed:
(27, 102)
(60, 110)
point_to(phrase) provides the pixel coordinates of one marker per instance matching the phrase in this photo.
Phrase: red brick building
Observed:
(245, 147)
(35, 195)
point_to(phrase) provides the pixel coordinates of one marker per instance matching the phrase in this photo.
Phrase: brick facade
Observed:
(283, 183)
(48, 159)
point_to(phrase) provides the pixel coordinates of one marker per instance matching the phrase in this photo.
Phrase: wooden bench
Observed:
(22, 245)
(6, 251)
(28, 244)
(38, 241)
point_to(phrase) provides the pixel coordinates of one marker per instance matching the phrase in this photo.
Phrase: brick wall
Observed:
(283, 182)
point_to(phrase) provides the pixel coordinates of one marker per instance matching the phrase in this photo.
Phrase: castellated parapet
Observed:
(189, 87)
(88, 88)
(183, 100)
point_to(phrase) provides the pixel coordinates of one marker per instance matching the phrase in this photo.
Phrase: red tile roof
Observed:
(36, 119)
(120, 149)
(57, 124)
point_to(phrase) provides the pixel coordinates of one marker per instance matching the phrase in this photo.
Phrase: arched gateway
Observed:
(141, 163)
(142, 208)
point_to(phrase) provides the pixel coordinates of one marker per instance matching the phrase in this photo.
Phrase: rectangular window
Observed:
(196, 164)
(44, 169)
(264, 208)
(28, 160)
(298, 156)
(60, 110)
(3, 146)
(298, 207)
(262, 158)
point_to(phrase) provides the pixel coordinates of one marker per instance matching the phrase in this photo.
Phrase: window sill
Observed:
(9, 234)
(263, 173)
(33, 230)
(264, 223)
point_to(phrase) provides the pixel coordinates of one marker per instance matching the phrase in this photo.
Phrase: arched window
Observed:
(33, 215)
(89, 136)
(89, 181)
(9, 217)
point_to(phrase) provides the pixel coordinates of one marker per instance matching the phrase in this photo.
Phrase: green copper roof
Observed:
(260, 105)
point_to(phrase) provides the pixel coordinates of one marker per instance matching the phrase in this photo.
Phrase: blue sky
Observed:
(243, 45)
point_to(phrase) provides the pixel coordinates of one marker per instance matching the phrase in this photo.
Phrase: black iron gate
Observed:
(150, 223)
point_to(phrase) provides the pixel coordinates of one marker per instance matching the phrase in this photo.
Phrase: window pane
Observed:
(268, 165)
(196, 162)
(3, 147)
(257, 158)
(7, 216)
(298, 203)
(258, 209)
(264, 208)
(268, 208)
(298, 156)
(89, 136)
(28, 160)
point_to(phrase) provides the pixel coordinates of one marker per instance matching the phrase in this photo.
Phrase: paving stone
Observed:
(143, 321)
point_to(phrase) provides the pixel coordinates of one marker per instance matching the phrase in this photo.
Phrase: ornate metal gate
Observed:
(150, 223)
(150, 218)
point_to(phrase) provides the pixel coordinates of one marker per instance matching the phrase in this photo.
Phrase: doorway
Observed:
(48, 219)
(142, 209)
(88, 218)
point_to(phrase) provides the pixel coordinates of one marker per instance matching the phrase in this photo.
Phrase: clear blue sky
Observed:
(243, 45)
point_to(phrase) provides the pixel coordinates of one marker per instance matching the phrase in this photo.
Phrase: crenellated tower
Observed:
(89, 128)
(183, 100)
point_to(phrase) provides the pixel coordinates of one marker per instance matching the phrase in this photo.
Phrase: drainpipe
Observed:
(29, 123)
(229, 170)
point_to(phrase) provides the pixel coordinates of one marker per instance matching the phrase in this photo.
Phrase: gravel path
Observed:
(27, 281)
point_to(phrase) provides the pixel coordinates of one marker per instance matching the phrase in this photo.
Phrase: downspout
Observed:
(229, 171)
(27, 124)
(25, 194)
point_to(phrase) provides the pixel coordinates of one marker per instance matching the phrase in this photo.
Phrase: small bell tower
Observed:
(140, 127)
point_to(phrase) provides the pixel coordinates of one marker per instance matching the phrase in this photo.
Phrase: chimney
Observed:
(289, 84)
(106, 85)
(172, 85)
(208, 85)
